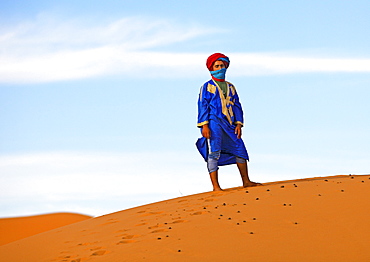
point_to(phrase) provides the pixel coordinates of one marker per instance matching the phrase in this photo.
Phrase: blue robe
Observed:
(222, 114)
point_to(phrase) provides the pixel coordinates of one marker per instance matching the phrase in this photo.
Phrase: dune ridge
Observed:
(316, 219)
(16, 228)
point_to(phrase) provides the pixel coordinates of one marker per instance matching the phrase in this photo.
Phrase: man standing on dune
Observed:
(220, 117)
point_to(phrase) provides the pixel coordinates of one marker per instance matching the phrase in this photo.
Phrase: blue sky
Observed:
(98, 99)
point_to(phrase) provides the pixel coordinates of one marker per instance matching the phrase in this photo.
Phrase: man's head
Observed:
(216, 60)
(217, 65)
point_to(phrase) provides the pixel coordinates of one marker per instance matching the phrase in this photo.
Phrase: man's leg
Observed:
(214, 180)
(212, 165)
(243, 170)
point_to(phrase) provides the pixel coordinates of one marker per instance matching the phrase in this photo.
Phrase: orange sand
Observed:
(317, 219)
(13, 229)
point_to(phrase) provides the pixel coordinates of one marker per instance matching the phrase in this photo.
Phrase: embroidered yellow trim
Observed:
(211, 88)
(202, 124)
(232, 88)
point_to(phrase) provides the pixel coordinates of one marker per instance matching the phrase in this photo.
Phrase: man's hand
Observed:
(238, 131)
(206, 132)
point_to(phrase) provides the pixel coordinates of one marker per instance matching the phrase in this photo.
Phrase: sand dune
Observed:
(16, 228)
(318, 219)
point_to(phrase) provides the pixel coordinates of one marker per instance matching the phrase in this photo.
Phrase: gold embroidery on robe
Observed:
(211, 88)
(203, 123)
(232, 88)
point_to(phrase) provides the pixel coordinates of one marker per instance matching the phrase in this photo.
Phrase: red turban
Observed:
(213, 58)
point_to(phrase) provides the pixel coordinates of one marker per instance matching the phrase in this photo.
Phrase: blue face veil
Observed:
(220, 74)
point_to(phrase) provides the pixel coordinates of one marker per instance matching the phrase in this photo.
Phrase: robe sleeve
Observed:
(203, 107)
(238, 110)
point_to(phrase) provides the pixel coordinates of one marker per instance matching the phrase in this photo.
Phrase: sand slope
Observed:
(318, 219)
(16, 228)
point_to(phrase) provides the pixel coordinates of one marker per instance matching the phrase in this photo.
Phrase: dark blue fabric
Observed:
(222, 140)
(210, 105)
(222, 114)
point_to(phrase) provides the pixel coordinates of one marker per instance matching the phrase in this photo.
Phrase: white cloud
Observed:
(49, 34)
(49, 49)
(263, 64)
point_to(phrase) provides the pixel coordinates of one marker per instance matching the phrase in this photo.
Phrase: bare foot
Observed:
(251, 184)
(217, 189)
